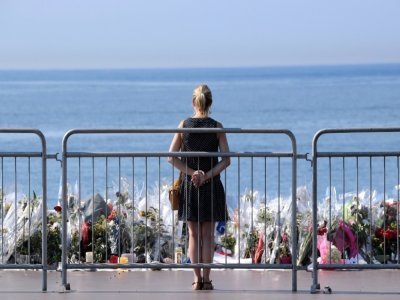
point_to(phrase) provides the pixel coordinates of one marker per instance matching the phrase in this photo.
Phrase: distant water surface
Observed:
(301, 99)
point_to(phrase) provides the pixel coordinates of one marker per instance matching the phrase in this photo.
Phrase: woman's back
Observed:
(200, 142)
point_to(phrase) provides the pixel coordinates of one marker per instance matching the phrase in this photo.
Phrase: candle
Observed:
(178, 255)
(123, 260)
(129, 256)
(89, 257)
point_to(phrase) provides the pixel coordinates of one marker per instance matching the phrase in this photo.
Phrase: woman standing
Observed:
(202, 202)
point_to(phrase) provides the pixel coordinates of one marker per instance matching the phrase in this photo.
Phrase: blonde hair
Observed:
(202, 98)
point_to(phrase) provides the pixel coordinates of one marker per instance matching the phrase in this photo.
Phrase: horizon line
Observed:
(197, 67)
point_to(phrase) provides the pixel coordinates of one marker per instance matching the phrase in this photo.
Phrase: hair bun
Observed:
(202, 97)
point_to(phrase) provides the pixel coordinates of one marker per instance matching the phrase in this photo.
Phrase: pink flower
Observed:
(345, 238)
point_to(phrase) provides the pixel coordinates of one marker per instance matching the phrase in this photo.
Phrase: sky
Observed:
(91, 34)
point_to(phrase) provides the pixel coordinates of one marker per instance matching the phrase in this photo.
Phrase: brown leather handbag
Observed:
(175, 193)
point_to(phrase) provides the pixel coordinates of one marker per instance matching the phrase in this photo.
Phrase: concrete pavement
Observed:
(176, 284)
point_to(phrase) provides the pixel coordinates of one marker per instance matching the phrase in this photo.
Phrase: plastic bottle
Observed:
(178, 255)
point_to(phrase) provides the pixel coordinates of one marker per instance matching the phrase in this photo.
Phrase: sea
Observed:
(302, 99)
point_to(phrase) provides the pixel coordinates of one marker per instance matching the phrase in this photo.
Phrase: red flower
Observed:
(322, 230)
(379, 233)
(390, 234)
(85, 234)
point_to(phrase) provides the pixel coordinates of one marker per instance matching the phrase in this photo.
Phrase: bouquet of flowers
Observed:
(386, 234)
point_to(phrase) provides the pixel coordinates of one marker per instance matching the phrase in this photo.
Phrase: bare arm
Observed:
(221, 165)
(225, 161)
(175, 147)
(198, 176)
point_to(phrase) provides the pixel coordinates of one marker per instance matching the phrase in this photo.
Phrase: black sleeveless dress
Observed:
(208, 202)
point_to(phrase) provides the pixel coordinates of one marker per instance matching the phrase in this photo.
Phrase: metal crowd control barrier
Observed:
(17, 245)
(358, 230)
(125, 225)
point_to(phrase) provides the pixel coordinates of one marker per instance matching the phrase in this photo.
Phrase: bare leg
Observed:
(207, 234)
(194, 254)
